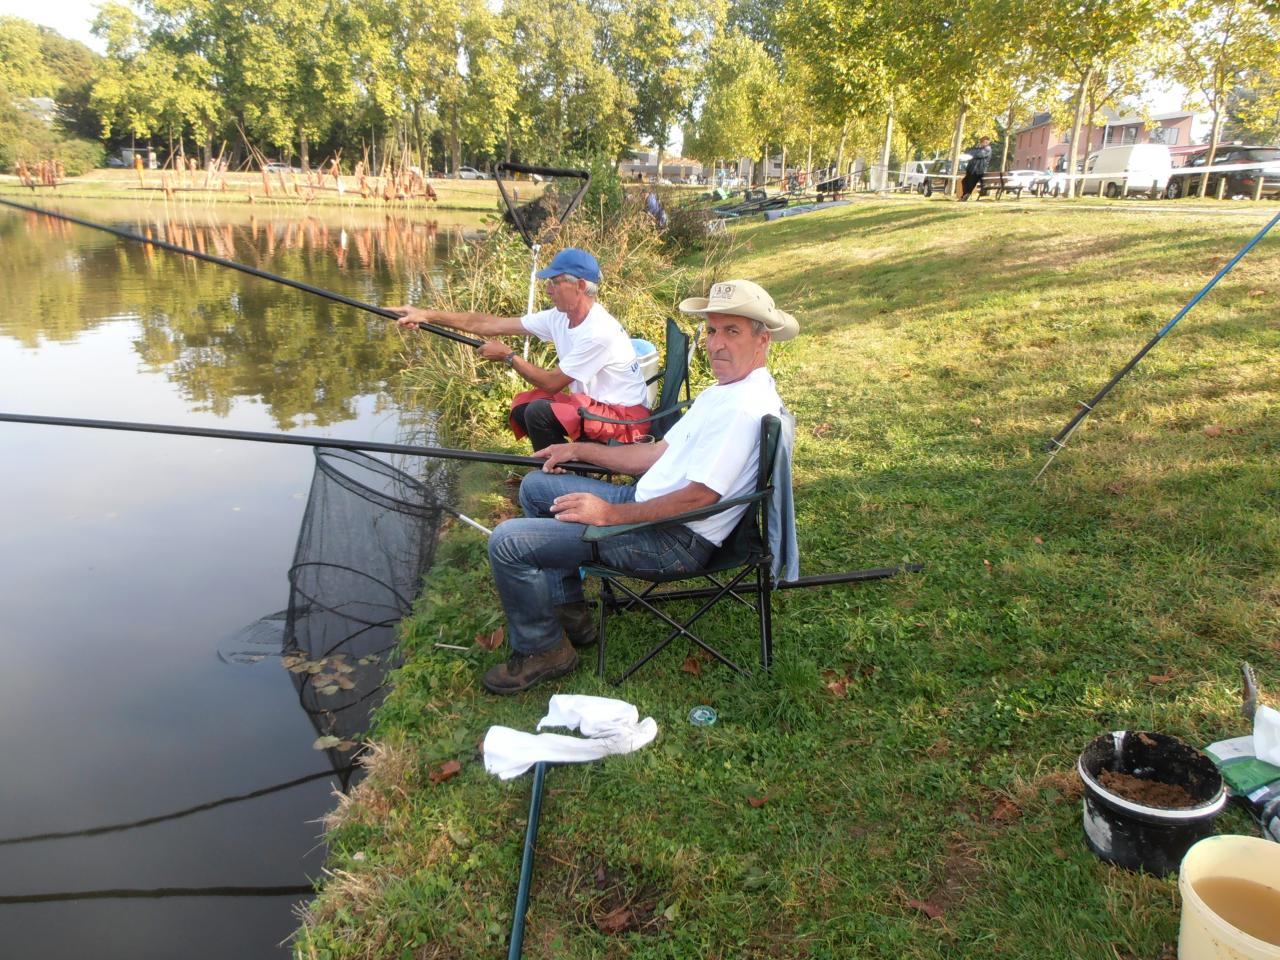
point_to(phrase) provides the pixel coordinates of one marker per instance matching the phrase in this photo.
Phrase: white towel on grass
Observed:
(608, 726)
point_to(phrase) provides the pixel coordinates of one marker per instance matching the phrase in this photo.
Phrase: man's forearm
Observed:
(485, 324)
(632, 459)
(689, 497)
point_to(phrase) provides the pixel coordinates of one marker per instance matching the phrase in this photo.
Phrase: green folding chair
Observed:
(675, 381)
(740, 567)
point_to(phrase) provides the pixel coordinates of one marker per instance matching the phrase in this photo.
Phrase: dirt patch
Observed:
(1150, 793)
(612, 899)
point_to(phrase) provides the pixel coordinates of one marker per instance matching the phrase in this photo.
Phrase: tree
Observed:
(741, 82)
(23, 70)
(1222, 44)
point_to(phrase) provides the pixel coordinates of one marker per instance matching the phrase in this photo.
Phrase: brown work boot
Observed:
(525, 670)
(579, 622)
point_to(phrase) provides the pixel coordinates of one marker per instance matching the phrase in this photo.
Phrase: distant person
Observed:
(597, 363)
(979, 157)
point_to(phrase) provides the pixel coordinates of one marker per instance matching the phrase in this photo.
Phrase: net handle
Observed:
(508, 167)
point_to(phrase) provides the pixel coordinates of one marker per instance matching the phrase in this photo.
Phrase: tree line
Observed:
(440, 83)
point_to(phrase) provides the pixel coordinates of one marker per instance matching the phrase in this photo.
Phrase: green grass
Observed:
(914, 744)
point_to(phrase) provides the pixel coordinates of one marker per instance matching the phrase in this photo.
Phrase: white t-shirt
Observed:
(597, 353)
(717, 444)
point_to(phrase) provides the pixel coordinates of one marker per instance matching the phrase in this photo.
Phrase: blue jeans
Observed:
(535, 559)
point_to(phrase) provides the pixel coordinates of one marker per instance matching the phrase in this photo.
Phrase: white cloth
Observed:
(1266, 734)
(608, 726)
(717, 444)
(597, 353)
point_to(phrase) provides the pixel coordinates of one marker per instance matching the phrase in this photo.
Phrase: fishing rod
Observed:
(244, 268)
(1058, 442)
(442, 453)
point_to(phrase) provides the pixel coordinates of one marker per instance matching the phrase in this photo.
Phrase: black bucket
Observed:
(1133, 835)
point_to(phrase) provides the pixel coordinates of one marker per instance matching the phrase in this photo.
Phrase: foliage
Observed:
(900, 785)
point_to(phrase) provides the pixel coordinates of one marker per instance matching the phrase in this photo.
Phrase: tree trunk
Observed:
(1214, 133)
(1074, 186)
(660, 150)
(808, 159)
(957, 139)
(455, 140)
(844, 133)
(304, 150)
(884, 150)
(1008, 132)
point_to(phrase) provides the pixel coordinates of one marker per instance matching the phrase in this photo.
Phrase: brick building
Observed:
(1042, 146)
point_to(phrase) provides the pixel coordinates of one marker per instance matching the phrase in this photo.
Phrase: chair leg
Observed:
(606, 592)
(764, 580)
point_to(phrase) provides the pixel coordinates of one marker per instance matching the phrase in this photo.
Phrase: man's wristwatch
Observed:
(510, 359)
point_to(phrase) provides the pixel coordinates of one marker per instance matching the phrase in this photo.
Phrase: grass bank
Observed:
(901, 785)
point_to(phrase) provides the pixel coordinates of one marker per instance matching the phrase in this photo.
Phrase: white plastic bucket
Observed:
(1204, 935)
(647, 355)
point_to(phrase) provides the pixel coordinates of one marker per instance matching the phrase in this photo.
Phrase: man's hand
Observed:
(494, 350)
(555, 455)
(411, 316)
(583, 508)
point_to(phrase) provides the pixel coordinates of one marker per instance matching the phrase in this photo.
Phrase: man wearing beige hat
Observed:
(711, 453)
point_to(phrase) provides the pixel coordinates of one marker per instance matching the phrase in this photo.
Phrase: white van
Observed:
(913, 174)
(1128, 169)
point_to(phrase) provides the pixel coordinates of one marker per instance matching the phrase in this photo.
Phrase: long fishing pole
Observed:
(243, 268)
(442, 453)
(1058, 442)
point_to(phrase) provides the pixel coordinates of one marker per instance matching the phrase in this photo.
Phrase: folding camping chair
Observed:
(675, 380)
(744, 552)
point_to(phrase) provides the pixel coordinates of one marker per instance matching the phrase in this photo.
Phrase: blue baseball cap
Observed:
(574, 262)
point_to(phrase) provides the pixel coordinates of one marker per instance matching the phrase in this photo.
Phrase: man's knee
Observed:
(536, 493)
(505, 544)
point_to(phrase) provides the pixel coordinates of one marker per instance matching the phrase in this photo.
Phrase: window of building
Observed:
(1165, 135)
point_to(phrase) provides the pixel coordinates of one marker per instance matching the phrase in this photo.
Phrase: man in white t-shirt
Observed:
(597, 369)
(711, 453)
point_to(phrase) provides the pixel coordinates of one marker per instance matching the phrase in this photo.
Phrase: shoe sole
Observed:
(550, 674)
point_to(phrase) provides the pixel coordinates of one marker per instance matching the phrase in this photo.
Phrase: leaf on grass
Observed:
(1259, 292)
(821, 430)
(325, 743)
(1117, 488)
(1006, 811)
(671, 913)
(446, 770)
(1213, 430)
(1160, 678)
(987, 564)
(754, 879)
(616, 921)
(839, 687)
(757, 802)
(490, 641)
(930, 910)
(1038, 541)
(976, 421)
(691, 665)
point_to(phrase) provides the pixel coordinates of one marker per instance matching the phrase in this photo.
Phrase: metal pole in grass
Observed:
(1058, 442)
(522, 228)
(243, 268)
(526, 863)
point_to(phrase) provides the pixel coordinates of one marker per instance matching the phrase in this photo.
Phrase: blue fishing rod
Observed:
(1058, 442)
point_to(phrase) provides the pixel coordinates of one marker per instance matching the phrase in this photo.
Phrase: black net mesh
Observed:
(367, 538)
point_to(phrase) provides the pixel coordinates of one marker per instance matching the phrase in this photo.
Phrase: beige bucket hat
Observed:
(742, 298)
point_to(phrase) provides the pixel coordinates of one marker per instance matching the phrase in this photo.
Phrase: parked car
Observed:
(939, 176)
(1239, 182)
(913, 175)
(1132, 168)
(1026, 179)
(471, 173)
(276, 166)
(116, 162)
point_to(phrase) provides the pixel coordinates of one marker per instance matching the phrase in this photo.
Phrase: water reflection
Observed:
(218, 335)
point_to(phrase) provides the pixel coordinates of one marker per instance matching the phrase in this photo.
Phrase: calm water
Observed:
(129, 563)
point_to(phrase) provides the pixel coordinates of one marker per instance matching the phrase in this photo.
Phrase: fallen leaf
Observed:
(1258, 293)
(345, 745)
(616, 921)
(821, 430)
(329, 690)
(976, 421)
(1160, 678)
(325, 743)
(446, 770)
(1006, 811)
(691, 665)
(757, 802)
(490, 641)
(1117, 488)
(1038, 541)
(1213, 430)
(986, 563)
(930, 910)
(839, 687)
(346, 683)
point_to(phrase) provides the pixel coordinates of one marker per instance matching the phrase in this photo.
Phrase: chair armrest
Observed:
(588, 415)
(596, 534)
